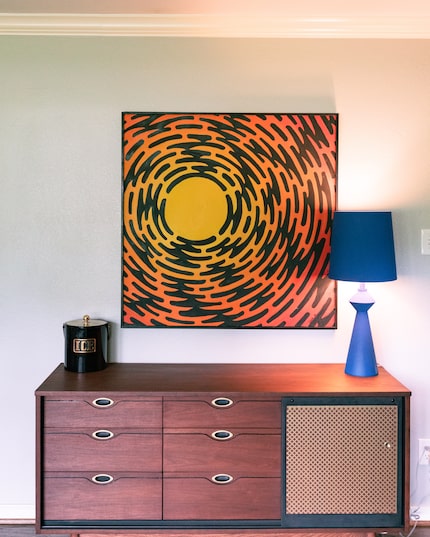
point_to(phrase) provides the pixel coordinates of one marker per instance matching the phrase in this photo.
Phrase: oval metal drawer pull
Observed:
(102, 434)
(221, 402)
(102, 479)
(222, 435)
(103, 402)
(222, 479)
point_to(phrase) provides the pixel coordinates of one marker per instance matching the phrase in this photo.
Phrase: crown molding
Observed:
(215, 25)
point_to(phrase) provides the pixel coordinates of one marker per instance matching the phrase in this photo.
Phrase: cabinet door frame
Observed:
(308, 518)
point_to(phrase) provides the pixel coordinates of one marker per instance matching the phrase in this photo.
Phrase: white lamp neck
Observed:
(362, 296)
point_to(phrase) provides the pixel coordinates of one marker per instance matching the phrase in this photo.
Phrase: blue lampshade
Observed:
(362, 247)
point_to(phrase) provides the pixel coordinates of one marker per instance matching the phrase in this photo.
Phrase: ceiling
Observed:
(218, 18)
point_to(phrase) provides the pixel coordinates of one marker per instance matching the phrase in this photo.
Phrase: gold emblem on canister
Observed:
(84, 346)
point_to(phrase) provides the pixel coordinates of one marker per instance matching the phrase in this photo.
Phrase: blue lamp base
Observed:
(361, 360)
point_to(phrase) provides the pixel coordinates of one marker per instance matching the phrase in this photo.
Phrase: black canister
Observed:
(86, 344)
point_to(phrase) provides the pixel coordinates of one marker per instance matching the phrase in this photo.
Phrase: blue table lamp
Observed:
(362, 250)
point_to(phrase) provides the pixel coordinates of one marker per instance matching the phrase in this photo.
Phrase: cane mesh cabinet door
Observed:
(343, 462)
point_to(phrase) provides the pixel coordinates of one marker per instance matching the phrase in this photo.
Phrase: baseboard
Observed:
(25, 514)
(423, 514)
(17, 513)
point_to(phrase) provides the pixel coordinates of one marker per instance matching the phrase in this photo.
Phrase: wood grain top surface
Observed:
(169, 379)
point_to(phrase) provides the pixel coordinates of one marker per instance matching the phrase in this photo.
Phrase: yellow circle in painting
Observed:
(196, 209)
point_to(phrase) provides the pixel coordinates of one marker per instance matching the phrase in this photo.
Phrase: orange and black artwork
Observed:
(227, 220)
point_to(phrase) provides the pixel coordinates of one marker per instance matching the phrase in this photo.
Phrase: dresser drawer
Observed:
(81, 451)
(248, 453)
(102, 412)
(201, 499)
(77, 497)
(204, 413)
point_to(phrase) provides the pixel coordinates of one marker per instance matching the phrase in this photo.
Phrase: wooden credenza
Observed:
(221, 449)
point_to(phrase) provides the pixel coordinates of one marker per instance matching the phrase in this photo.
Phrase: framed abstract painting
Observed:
(227, 220)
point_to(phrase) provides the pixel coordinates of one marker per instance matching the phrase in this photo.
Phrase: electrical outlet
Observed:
(424, 451)
(425, 241)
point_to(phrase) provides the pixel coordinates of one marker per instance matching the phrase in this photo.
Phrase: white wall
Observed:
(60, 202)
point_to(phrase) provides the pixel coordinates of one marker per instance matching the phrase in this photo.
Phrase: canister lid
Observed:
(85, 322)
